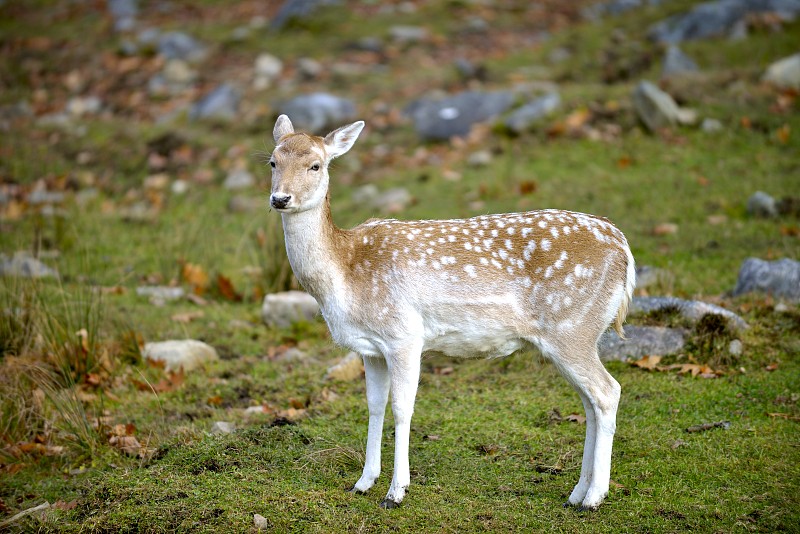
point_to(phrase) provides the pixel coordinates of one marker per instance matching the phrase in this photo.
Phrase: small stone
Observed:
(392, 200)
(654, 107)
(309, 68)
(178, 72)
(640, 341)
(78, 106)
(350, 368)
(268, 68)
(260, 522)
(366, 194)
(480, 158)
(284, 309)
(156, 182)
(647, 276)
(523, 118)
(160, 295)
(784, 73)
(239, 179)
(780, 278)
(22, 265)
(318, 112)
(692, 310)
(760, 204)
(179, 187)
(408, 34)
(559, 55)
(188, 354)
(220, 104)
(222, 427)
(178, 45)
(735, 348)
(711, 125)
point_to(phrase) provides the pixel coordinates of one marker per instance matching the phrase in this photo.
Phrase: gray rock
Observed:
(784, 73)
(297, 10)
(239, 179)
(22, 265)
(718, 18)
(692, 310)
(392, 200)
(523, 118)
(640, 341)
(780, 278)
(318, 112)
(284, 309)
(480, 158)
(654, 107)
(309, 68)
(260, 522)
(677, 63)
(220, 104)
(78, 106)
(647, 276)
(124, 14)
(616, 7)
(455, 115)
(222, 427)
(178, 45)
(760, 204)
(39, 197)
(160, 295)
(408, 34)
(711, 125)
(267, 70)
(188, 354)
(735, 348)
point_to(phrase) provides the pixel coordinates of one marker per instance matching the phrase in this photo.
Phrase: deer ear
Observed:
(283, 126)
(341, 140)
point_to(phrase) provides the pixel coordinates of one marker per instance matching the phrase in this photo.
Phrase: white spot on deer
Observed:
(466, 232)
(548, 272)
(497, 264)
(451, 238)
(471, 271)
(410, 236)
(429, 251)
(478, 249)
(561, 259)
(436, 265)
(567, 301)
(365, 240)
(448, 260)
(545, 244)
(501, 223)
(526, 232)
(526, 282)
(510, 269)
(511, 230)
(441, 240)
(503, 254)
(394, 254)
(566, 230)
(554, 231)
(509, 244)
(468, 245)
(542, 224)
(488, 243)
(484, 261)
(569, 279)
(494, 233)
(406, 250)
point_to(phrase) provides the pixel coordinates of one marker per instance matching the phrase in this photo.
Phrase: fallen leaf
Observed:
(216, 400)
(783, 133)
(297, 403)
(127, 444)
(665, 229)
(195, 276)
(620, 487)
(624, 162)
(62, 505)
(528, 187)
(647, 362)
(677, 443)
(172, 382)
(790, 230)
(746, 123)
(787, 416)
(443, 370)
(725, 425)
(771, 367)
(226, 289)
(576, 418)
(432, 437)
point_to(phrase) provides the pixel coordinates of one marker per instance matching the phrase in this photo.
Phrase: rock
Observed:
(297, 10)
(309, 68)
(294, 354)
(521, 119)
(178, 45)
(221, 103)
(39, 197)
(222, 427)
(719, 18)
(179, 187)
(78, 106)
(692, 310)
(260, 522)
(365, 194)
(392, 200)
(188, 354)
(735, 348)
(350, 368)
(647, 276)
(454, 115)
(676, 63)
(239, 179)
(761, 204)
(268, 69)
(711, 125)
(784, 73)
(124, 14)
(780, 278)
(654, 107)
(640, 341)
(319, 112)
(160, 295)
(408, 34)
(284, 309)
(480, 158)
(177, 71)
(22, 265)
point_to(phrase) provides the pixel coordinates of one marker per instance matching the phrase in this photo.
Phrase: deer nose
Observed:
(279, 201)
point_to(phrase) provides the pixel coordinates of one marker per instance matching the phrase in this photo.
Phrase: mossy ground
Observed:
(488, 452)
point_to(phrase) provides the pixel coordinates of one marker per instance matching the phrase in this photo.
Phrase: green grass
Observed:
(486, 452)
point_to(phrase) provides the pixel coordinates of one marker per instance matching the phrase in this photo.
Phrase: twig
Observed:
(44, 506)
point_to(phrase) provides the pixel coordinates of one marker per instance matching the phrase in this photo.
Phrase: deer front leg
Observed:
(404, 368)
(377, 376)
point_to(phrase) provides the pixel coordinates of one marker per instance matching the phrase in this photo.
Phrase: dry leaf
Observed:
(647, 362)
(624, 162)
(576, 418)
(787, 416)
(188, 316)
(771, 367)
(195, 276)
(226, 289)
(172, 382)
(62, 505)
(783, 133)
(665, 229)
(443, 370)
(127, 444)
(216, 400)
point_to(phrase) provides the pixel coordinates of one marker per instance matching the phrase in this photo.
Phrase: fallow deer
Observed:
(486, 286)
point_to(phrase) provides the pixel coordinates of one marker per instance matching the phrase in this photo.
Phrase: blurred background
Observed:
(134, 136)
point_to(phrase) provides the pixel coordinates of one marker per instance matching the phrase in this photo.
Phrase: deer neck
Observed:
(312, 244)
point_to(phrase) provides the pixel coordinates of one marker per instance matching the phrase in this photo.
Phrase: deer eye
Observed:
(272, 164)
(315, 167)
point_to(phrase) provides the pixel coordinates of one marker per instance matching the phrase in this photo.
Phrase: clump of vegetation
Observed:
(710, 340)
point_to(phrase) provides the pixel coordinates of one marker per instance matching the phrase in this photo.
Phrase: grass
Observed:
(488, 450)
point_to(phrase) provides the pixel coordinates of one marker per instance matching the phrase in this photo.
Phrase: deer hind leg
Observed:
(377, 376)
(600, 395)
(404, 369)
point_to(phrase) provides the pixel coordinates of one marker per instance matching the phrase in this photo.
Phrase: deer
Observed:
(487, 286)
